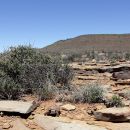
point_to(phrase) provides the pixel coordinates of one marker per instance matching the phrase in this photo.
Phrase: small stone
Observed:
(93, 61)
(59, 104)
(26, 124)
(32, 126)
(6, 126)
(99, 107)
(1, 114)
(70, 116)
(31, 117)
(127, 103)
(68, 107)
(80, 117)
(4, 121)
(38, 112)
(43, 108)
(90, 112)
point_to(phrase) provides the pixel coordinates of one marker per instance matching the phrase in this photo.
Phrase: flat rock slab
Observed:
(110, 69)
(50, 123)
(113, 114)
(123, 82)
(111, 125)
(19, 125)
(17, 106)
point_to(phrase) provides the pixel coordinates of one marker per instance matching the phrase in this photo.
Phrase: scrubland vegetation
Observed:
(115, 101)
(99, 56)
(25, 70)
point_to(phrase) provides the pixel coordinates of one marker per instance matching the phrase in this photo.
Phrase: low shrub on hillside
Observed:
(115, 101)
(46, 91)
(65, 75)
(127, 56)
(91, 93)
(77, 96)
(9, 89)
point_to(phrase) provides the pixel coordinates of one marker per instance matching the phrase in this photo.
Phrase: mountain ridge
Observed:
(99, 42)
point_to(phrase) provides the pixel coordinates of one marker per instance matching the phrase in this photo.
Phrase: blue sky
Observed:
(41, 22)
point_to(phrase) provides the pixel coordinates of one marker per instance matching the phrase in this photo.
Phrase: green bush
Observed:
(77, 96)
(93, 93)
(115, 101)
(9, 89)
(65, 75)
(127, 56)
(46, 92)
(73, 57)
(65, 94)
(15, 60)
(36, 75)
(33, 71)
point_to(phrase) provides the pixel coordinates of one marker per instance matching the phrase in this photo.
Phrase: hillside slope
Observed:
(107, 42)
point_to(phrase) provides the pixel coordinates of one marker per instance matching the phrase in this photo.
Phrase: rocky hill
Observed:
(106, 42)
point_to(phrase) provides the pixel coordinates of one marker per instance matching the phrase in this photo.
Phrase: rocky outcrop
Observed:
(109, 69)
(113, 114)
(121, 75)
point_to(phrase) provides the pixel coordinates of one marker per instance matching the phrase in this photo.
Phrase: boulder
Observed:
(121, 75)
(113, 114)
(6, 126)
(51, 123)
(94, 61)
(68, 107)
(17, 106)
